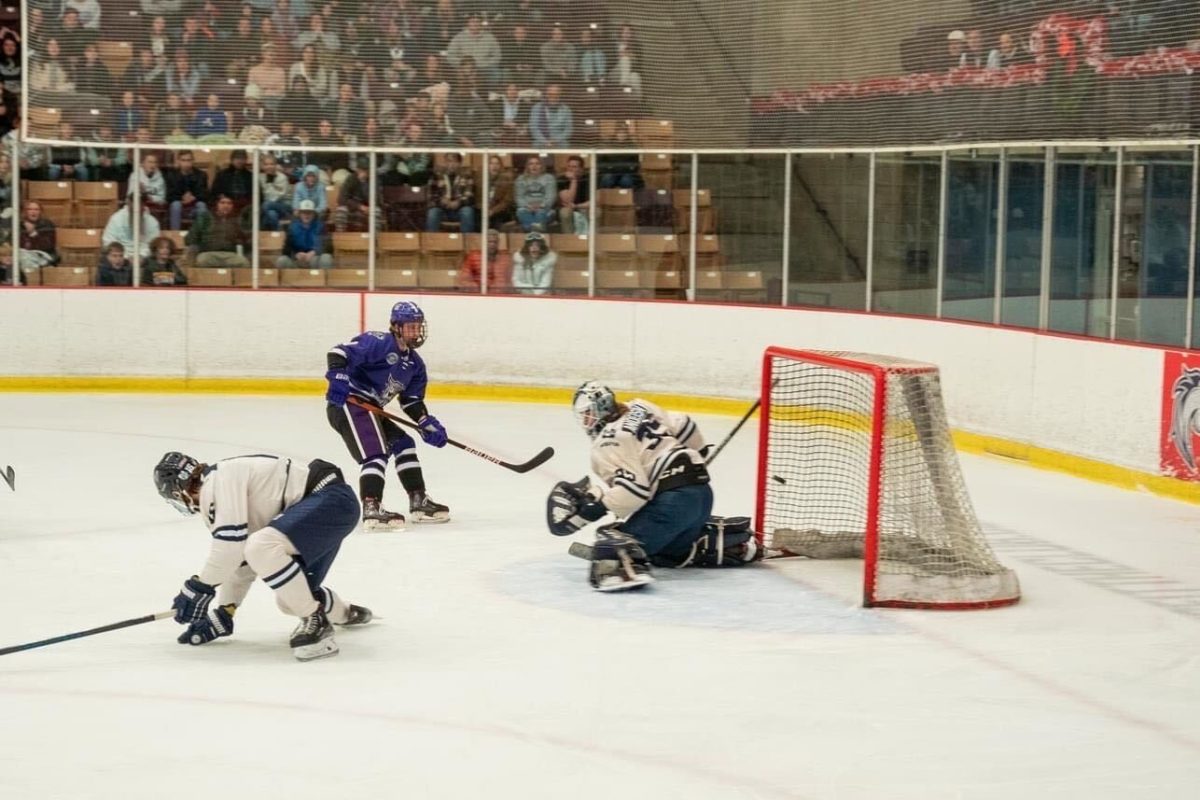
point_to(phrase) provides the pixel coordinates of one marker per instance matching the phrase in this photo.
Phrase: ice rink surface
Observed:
(495, 671)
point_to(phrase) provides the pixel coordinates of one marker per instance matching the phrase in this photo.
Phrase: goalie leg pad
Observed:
(618, 563)
(726, 542)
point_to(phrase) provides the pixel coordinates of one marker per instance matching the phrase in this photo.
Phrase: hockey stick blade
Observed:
(10, 477)
(581, 550)
(533, 463)
(90, 632)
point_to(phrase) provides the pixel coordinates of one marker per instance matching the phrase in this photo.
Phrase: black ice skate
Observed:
(313, 638)
(376, 518)
(422, 509)
(618, 563)
(357, 615)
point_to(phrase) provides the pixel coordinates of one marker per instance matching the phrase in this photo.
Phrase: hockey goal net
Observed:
(856, 461)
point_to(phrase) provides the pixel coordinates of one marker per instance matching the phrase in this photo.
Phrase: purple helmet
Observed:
(406, 312)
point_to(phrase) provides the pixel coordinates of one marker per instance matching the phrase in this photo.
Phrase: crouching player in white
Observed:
(269, 517)
(653, 478)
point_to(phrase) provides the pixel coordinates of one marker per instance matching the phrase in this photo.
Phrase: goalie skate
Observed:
(313, 638)
(377, 519)
(618, 563)
(422, 509)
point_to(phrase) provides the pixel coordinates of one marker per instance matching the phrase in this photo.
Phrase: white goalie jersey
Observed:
(238, 497)
(635, 452)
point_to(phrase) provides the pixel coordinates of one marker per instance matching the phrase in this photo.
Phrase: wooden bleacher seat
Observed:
(95, 202)
(351, 250)
(78, 247)
(709, 285)
(443, 250)
(340, 278)
(658, 170)
(210, 276)
(705, 218)
(572, 249)
(570, 281)
(44, 122)
(66, 276)
(395, 251)
(744, 286)
(616, 251)
(616, 209)
(396, 278)
(708, 251)
(659, 251)
(438, 279)
(270, 246)
(268, 277)
(627, 282)
(297, 278)
(654, 133)
(55, 198)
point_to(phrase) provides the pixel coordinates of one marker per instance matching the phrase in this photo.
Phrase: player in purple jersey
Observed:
(379, 366)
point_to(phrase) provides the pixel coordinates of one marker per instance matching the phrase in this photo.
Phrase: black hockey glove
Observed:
(214, 625)
(191, 604)
(569, 507)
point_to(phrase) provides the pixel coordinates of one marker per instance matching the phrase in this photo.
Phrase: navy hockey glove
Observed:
(192, 601)
(432, 432)
(213, 625)
(569, 508)
(339, 387)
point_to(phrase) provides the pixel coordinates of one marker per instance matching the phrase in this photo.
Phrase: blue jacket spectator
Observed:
(550, 121)
(304, 245)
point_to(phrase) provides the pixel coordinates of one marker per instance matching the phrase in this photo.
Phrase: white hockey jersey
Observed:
(238, 497)
(633, 452)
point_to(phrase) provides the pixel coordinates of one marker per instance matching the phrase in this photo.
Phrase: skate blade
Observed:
(323, 649)
(373, 526)
(436, 519)
(623, 584)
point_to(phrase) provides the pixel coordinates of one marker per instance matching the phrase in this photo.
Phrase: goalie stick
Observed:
(541, 458)
(90, 632)
(749, 413)
(10, 477)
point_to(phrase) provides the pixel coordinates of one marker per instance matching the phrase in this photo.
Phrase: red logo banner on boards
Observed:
(1179, 440)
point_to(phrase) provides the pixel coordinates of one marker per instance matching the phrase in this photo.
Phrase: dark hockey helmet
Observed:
(176, 476)
(594, 405)
(406, 313)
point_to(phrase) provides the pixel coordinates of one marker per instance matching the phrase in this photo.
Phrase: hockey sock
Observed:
(334, 607)
(412, 479)
(371, 485)
(270, 554)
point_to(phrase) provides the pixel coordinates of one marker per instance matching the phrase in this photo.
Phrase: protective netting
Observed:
(822, 436)
(708, 73)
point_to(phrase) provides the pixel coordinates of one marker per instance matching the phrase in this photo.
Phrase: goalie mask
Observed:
(408, 324)
(175, 477)
(594, 406)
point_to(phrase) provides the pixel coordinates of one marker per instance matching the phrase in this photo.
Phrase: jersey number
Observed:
(649, 431)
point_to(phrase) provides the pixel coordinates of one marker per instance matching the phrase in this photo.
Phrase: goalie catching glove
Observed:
(570, 507)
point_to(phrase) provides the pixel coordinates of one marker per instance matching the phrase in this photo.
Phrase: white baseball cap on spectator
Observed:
(956, 36)
(252, 90)
(307, 205)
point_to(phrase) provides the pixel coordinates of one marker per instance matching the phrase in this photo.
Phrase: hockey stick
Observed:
(91, 632)
(10, 477)
(533, 463)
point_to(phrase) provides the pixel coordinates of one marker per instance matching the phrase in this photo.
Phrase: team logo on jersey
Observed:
(393, 359)
(1185, 415)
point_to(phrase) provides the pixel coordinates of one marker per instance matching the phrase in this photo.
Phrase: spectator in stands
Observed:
(72, 36)
(304, 245)
(38, 242)
(535, 192)
(219, 239)
(522, 61)
(172, 119)
(438, 129)
(183, 79)
(499, 267)
(412, 169)
(626, 39)
(619, 170)
(158, 40)
(198, 43)
(235, 180)
(120, 229)
(320, 82)
(354, 200)
(88, 11)
(274, 191)
(10, 65)
(501, 208)
(550, 121)
(153, 185)
(187, 190)
(512, 116)
(254, 113)
(1005, 54)
(6, 179)
(469, 117)
(128, 117)
(325, 136)
(433, 79)
(161, 268)
(625, 73)
(452, 195)
(327, 42)
(241, 49)
(559, 56)
(574, 197)
(167, 8)
(284, 21)
(106, 163)
(209, 120)
(443, 26)
(92, 76)
(114, 268)
(533, 266)
(974, 56)
(592, 64)
(350, 113)
(66, 161)
(310, 188)
(48, 73)
(956, 42)
(150, 77)
(479, 45)
(269, 77)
